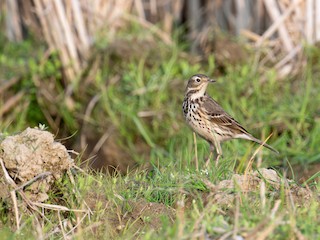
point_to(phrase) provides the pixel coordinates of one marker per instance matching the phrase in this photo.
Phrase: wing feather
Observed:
(218, 116)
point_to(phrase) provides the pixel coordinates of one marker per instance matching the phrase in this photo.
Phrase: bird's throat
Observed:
(200, 93)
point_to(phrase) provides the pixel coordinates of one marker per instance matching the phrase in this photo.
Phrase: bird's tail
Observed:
(253, 139)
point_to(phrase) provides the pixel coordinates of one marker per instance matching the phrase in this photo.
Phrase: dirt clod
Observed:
(31, 153)
(224, 193)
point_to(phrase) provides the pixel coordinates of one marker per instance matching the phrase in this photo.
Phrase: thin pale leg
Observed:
(218, 151)
(210, 155)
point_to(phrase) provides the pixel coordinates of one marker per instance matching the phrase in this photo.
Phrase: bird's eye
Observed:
(198, 79)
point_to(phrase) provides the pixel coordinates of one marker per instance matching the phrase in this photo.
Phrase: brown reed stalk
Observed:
(70, 27)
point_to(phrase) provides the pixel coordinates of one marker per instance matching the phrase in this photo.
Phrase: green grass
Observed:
(113, 199)
(153, 83)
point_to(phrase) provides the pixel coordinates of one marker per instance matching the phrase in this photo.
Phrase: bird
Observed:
(208, 119)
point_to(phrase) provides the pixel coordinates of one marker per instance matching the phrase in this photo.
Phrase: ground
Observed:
(33, 153)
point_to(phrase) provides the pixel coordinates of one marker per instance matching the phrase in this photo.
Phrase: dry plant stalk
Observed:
(70, 27)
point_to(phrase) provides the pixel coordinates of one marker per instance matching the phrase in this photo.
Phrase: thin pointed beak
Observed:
(212, 80)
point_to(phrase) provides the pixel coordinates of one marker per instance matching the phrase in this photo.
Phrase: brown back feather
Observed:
(218, 116)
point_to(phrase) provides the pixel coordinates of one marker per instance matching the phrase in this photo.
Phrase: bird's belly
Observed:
(202, 127)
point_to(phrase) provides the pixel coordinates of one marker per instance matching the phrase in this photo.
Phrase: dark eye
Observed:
(198, 79)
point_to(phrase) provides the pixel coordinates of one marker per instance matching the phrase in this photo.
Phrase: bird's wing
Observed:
(218, 116)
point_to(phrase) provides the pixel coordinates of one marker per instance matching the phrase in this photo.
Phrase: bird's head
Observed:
(197, 85)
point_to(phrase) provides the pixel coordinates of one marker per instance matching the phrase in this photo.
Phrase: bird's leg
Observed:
(218, 151)
(211, 153)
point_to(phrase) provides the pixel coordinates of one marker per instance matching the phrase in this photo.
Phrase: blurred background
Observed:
(107, 77)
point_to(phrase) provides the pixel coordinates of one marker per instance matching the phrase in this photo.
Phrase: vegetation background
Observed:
(108, 79)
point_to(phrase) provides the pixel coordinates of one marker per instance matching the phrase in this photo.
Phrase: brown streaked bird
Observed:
(207, 118)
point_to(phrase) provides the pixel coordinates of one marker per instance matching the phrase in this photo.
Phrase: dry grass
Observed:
(277, 29)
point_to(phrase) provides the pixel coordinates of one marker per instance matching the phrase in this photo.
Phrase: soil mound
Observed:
(34, 161)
